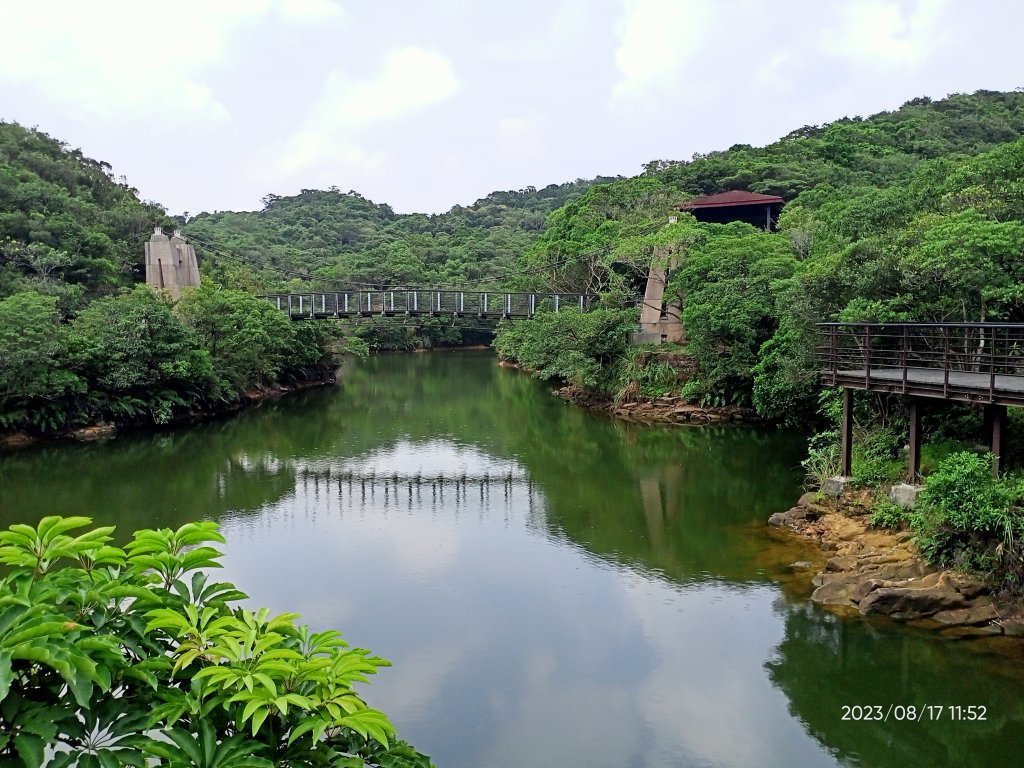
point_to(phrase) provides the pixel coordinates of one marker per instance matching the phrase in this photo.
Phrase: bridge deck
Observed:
(405, 302)
(963, 386)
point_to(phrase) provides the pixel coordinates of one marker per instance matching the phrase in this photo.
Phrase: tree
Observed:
(139, 358)
(36, 386)
(134, 657)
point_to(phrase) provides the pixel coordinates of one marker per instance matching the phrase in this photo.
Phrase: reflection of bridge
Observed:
(396, 490)
(430, 302)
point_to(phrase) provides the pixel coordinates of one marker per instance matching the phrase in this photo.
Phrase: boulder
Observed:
(842, 563)
(1013, 627)
(968, 586)
(980, 614)
(960, 632)
(911, 603)
(834, 593)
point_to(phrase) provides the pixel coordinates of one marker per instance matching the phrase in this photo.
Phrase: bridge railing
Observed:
(866, 350)
(422, 301)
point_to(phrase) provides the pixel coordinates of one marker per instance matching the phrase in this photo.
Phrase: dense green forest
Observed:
(916, 214)
(80, 343)
(321, 240)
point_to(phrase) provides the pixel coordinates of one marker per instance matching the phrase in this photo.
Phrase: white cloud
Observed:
(880, 34)
(521, 137)
(311, 11)
(114, 59)
(412, 80)
(117, 60)
(658, 37)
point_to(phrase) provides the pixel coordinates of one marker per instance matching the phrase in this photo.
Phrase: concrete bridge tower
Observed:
(171, 263)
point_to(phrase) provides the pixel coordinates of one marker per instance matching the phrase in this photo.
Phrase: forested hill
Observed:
(879, 150)
(329, 238)
(68, 228)
(911, 215)
(335, 238)
(814, 166)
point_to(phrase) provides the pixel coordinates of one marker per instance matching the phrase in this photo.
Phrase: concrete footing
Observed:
(645, 337)
(905, 495)
(835, 486)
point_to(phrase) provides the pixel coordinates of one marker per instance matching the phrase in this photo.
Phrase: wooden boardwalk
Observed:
(966, 362)
(979, 363)
(962, 386)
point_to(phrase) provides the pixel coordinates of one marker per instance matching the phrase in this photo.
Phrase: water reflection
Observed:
(825, 663)
(554, 588)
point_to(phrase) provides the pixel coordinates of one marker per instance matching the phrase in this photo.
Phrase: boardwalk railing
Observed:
(422, 301)
(970, 362)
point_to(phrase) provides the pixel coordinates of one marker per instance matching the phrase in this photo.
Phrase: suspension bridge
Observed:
(426, 302)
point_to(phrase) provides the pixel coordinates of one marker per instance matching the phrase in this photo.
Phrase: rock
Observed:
(896, 571)
(16, 440)
(865, 588)
(98, 432)
(800, 565)
(835, 486)
(981, 614)
(968, 586)
(833, 593)
(961, 633)
(1012, 627)
(779, 519)
(910, 603)
(905, 494)
(842, 563)
(812, 501)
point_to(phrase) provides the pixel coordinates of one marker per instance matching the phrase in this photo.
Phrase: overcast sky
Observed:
(212, 104)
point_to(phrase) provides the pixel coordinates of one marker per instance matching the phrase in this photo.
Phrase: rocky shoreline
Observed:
(875, 572)
(660, 410)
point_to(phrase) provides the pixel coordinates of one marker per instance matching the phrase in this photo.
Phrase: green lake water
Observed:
(555, 588)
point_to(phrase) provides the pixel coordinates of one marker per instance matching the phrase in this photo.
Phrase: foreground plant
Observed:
(116, 657)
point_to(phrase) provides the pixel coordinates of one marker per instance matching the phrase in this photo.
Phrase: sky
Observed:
(207, 105)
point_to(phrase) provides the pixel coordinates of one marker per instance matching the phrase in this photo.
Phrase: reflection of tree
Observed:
(667, 499)
(825, 663)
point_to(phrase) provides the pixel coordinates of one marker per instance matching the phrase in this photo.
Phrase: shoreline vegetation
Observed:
(105, 430)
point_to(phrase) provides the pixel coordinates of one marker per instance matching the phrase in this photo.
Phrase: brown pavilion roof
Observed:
(725, 199)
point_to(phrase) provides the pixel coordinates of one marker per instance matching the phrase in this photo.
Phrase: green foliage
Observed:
(885, 514)
(251, 343)
(67, 228)
(968, 519)
(823, 459)
(133, 657)
(34, 366)
(580, 349)
(875, 457)
(641, 372)
(730, 277)
(141, 361)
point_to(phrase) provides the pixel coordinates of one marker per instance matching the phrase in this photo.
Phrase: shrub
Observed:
(823, 459)
(641, 373)
(117, 657)
(967, 519)
(885, 514)
(874, 458)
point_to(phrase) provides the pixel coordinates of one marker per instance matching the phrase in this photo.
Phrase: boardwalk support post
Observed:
(996, 416)
(914, 457)
(846, 435)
